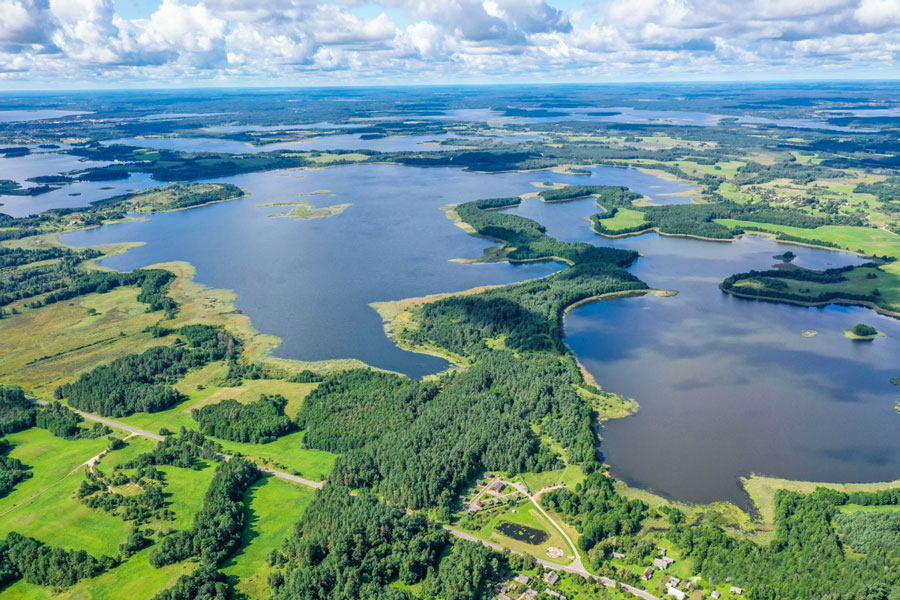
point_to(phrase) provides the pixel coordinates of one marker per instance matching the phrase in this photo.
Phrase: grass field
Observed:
(48, 346)
(528, 515)
(762, 491)
(856, 239)
(274, 506)
(886, 281)
(43, 507)
(623, 219)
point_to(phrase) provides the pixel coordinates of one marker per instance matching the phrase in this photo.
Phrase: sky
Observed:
(71, 44)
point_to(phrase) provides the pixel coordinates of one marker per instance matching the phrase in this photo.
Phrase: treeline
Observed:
(217, 528)
(699, 219)
(205, 583)
(346, 547)
(65, 423)
(12, 471)
(258, 422)
(142, 382)
(16, 411)
(774, 287)
(26, 558)
(596, 509)
(183, 451)
(806, 559)
(176, 196)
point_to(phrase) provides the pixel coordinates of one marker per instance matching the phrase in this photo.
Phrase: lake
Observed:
(728, 386)
(310, 282)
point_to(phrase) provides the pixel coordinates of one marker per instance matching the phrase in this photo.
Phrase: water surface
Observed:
(727, 386)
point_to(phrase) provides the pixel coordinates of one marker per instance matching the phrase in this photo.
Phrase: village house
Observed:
(647, 574)
(675, 592)
(520, 578)
(551, 577)
(618, 555)
(529, 594)
(660, 563)
(736, 590)
(555, 594)
(503, 597)
(715, 595)
(498, 486)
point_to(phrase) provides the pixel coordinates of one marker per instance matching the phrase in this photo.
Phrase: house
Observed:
(736, 590)
(529, 594)
(715, 595)
(668, 560)
(673, 582)
(523, 579)
(555, 594)
(551, 577)
(647, 574)
(675, 592)
(660, 563)
(503, 597)
(498, 486)
(618, 555)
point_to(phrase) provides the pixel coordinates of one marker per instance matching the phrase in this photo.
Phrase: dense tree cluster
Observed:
(96, 492)
(597, 510)
(699, 219)
(872, 533)
(206, 583)
(774, 285)
(806, 559)
(346, 547)
(183, 450)
(65, 423)
(420, 443)
(39, 564)
(258, 422)
(12, 471)
(16, 411)
(217, 528)
(142, 382)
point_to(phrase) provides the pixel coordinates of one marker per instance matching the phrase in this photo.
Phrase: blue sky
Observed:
(162, 43)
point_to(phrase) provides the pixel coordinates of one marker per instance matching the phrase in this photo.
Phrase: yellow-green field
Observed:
(273, 507)
(624, 218)
(856, 239)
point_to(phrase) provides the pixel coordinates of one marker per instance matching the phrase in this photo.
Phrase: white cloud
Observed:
(49, 40)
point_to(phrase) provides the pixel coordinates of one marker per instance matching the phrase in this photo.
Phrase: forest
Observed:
(347, 547)
(258, 422)
(218, 525)
(142, 382)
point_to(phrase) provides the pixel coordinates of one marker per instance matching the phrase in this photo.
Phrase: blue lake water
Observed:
(310, 281)
(729, 386)
(406, 143)
(11, 116)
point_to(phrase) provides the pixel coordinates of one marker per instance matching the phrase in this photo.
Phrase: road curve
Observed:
(159, 438)
(576, 568)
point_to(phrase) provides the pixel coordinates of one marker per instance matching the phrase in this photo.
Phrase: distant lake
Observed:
(10, 116)
(729, 386)
(404, 143)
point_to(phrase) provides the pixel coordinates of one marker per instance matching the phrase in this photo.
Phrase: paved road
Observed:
(159, 438)
(576, 567)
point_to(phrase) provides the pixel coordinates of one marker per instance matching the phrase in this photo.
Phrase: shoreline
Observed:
(839, 301)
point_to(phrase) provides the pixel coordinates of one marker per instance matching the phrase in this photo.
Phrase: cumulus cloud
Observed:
(431, 40)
